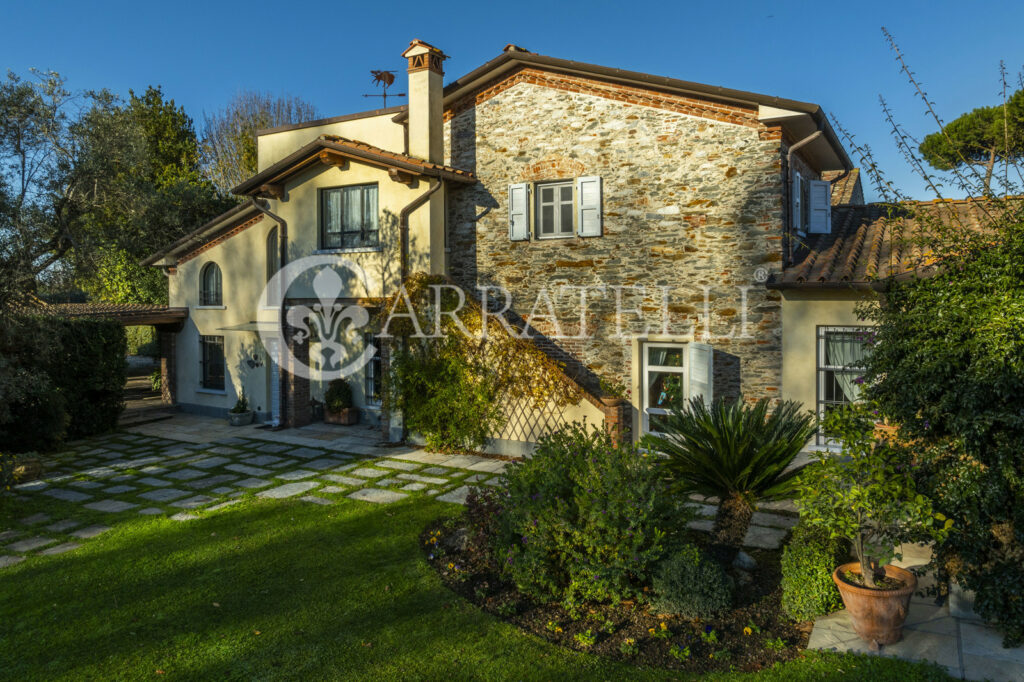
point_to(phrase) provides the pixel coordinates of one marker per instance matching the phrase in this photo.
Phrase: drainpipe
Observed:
(403, 225)
(786, 246)
(282, 247)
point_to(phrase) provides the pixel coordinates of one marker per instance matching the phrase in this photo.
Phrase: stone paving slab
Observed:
(422, 479)
(222, 505)
(773, 520)
(247, 470)
(29, 544)
(345, 480)
(306, 453)
(332, 489)
(376, 495)
(396, 464)
(119, 489)
(316, 500)
(261, 460)
(34, 519)
(295, 475)
(31, 486)
(67, 495)
(438, 471)
(85, 485)
(154, 482)
(366, 472)
(457, 496)
(413, 487)
(323, 463)
(193, 502)
(210, 482)
(9, 560)
(151, 511)
(90, 531)
(422, 457)
(187, 474)
(288, 490)
(164, 494)
(61, 526)
(9, 535)
(209, 462)
(110, 506)
(494, 466)
(253, 483)
(61, 548)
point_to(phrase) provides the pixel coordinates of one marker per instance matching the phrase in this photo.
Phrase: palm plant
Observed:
(736, 452)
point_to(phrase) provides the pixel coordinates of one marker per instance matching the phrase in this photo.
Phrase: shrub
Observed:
(736, 452)
(241, 405)
(691, 584)
(90, 372)
(584, 519)
(156, 380)
(8, 464)
(338, 396)
(807, 564)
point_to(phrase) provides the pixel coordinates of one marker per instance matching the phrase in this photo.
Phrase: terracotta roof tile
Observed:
(872, 242)
(385, 154)
(846, 186)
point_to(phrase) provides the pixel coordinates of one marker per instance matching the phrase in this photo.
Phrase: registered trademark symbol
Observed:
(761, 275)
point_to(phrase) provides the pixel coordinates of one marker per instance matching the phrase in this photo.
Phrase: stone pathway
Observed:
(768, 528)
(967, 648)
(123, 475)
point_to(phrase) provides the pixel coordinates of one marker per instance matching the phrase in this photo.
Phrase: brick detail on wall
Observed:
(703, 108)
(168, 369)
(220, 239)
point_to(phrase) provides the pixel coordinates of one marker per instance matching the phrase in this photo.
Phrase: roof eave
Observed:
(165, 257)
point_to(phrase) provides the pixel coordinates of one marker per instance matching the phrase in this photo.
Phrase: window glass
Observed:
(842, 352)
(555, 209)
(210, 285)
(665, 356)
(349, 217)
(212, 362)
(372, 373)
(663, 383)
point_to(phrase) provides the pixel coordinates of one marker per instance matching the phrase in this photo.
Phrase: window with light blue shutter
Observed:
(588, 206)
(519, 211)
(821, 207)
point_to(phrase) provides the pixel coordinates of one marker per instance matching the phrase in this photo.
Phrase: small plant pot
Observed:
(612, 400)
(240, 418)
(877, 615)
(346, 417)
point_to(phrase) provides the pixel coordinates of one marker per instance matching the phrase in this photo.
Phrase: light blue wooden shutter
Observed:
(797, 203)
(588, 206)
(821, 207)
(519, 211)
(700, 372)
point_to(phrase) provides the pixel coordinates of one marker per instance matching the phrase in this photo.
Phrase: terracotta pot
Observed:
(612, 400)
(347, 417)
(877, 615)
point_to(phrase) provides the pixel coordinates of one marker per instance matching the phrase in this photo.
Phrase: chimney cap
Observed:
(417, 46)
(512, 47)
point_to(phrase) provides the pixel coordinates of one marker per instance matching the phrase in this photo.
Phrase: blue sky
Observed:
(824, 52)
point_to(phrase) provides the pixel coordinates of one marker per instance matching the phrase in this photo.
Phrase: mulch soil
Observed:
(755, 634)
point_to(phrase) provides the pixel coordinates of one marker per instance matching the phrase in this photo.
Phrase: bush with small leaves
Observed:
(691, 584)
(807, 564)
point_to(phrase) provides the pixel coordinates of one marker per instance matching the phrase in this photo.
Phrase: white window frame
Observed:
(647, 368)
(559, 230)
(822, 373)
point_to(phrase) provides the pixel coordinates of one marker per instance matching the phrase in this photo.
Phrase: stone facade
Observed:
(692, 202)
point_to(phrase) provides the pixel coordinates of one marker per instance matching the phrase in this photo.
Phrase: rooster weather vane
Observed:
(384, 79)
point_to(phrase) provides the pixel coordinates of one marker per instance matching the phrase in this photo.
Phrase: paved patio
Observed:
(189, 466)
(968, 649)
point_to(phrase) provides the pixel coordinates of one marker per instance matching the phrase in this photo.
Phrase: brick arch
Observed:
(552, 167)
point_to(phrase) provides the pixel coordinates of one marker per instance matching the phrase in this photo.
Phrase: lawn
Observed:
(287, 590)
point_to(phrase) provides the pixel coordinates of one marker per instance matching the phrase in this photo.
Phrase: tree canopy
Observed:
(229, 135)
(983, 137)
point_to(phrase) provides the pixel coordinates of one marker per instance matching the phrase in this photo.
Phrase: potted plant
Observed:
(338, 404)
(240, 414)
(613, 391)
(316, 410)
(866, 494)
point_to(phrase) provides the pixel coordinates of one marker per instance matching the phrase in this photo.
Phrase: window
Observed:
(212, 348)
(663, 382)
(209, 285)
(348, 217)
(559, 209)
(841, 355)
(554, 210)
(372, 373)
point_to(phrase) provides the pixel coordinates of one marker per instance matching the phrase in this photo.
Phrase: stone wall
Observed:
(690, 201)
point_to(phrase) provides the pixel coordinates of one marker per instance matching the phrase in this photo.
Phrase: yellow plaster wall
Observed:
(379, 131)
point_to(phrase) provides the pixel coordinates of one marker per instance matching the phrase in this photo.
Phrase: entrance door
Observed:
(274, 383)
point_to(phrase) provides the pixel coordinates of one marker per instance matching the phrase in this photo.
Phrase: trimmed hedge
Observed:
(807, 564)
(59, 378)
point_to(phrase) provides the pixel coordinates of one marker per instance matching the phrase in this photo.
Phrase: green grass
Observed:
(287, 590)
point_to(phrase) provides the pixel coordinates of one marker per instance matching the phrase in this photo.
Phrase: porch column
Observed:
(168, 373)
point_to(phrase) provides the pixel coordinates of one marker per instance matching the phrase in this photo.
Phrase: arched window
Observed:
(209, 285)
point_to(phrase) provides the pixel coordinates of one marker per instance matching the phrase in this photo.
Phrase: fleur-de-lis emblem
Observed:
(327, 317)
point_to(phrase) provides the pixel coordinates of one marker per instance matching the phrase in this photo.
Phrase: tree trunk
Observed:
(732, 521)
(988, 169)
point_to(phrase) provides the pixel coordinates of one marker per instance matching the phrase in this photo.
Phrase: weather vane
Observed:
(384, 79)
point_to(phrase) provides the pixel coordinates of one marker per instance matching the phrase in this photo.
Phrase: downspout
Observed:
(282, 247)
(403, 225)
(403, 230)
(786, 245)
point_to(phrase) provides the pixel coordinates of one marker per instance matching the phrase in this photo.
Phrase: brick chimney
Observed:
(426, 139)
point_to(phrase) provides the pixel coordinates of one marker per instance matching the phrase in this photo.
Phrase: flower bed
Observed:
(754, 634)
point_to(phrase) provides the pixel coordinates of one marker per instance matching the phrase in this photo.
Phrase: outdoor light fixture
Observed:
(255, 361)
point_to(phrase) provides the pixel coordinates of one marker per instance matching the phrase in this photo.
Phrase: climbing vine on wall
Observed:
(453, 375)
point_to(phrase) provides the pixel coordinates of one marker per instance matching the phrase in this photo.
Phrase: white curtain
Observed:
(846, 350)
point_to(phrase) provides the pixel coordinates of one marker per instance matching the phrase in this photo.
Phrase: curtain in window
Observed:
(332, 219)
(845, 350)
